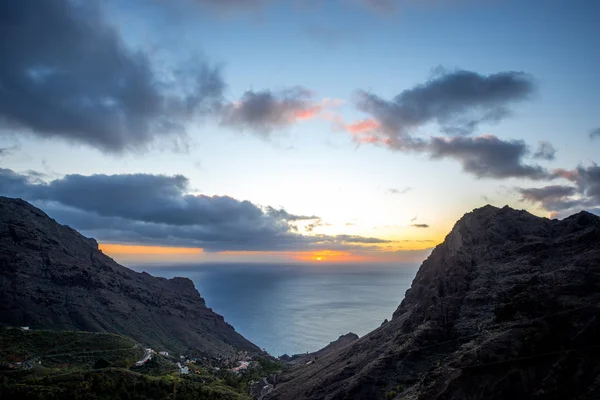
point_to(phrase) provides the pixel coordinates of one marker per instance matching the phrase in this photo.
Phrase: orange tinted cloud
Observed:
(367, 125)
(308, 113)
(363, 131)
(317, 109)
(563, 173)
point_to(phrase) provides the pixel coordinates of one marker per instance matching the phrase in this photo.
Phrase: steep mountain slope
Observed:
(507, 306)
(341, 342)
(54, 278)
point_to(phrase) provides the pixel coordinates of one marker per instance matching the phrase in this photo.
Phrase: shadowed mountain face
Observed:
(54, 278)
(506, 307)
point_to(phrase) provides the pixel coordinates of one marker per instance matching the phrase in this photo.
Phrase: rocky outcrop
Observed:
(52, 277)
(507, 307)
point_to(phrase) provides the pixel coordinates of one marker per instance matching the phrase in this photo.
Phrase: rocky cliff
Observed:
(54, 278)
(507, 307)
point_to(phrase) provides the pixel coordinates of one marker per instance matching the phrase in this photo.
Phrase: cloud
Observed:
(364, 126)
(352, 239)
(284, 215)
(160, 210)
(562, 200)
(554, 197)
(487, 156)
(420, 226)
(7, 151)
(66, 73)
(595, 133)
(545, 151)
(264, 111)
(399, 191)
(458, 101)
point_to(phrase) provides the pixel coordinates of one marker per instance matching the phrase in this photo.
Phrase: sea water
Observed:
(291, 309)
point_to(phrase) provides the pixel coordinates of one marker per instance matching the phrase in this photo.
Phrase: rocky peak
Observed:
(55, 278)
(505, 307)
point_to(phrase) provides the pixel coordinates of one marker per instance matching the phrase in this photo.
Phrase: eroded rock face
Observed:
(52, 277)
(507, 307)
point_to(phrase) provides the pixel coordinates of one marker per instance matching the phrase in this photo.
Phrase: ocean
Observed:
(291, 309)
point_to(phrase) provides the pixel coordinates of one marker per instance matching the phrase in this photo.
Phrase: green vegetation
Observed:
(67, 348)
(113, 383)
(98, 366)
(390, 395)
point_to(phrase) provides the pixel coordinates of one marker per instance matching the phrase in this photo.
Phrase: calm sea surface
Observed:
(295, 308)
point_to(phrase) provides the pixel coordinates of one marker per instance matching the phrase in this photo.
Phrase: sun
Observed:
(319, 258)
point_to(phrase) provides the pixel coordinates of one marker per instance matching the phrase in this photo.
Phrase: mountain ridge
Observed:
(500, 309)
(52, 277)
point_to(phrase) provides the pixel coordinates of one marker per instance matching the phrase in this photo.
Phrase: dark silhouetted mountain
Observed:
(52, 277)
(507, 307)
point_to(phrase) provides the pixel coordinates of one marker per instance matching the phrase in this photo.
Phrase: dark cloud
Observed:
(488, 156)
(264, 111)
(284, 215)
(159, 210)
(594, 133)
(420, 226)
(66, 73)
(545, 151)
(562, 200)
(554, 197)
(399, 191)
(588, 182)
(458, 101)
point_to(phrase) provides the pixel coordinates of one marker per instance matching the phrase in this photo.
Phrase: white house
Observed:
(163, 353)
(184, 371)
(24, 328)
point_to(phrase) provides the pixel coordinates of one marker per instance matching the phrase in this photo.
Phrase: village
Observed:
(186, 365)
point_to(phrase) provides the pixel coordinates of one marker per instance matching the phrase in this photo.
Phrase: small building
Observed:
(164, 353)
(184, 371)
(24, 328)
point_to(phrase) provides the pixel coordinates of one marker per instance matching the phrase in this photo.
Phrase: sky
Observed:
(350, 131)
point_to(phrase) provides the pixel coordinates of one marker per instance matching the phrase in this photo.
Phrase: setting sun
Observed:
(318, 258)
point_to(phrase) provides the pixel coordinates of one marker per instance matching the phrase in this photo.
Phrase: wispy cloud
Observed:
(393, 191)
(545, 151)
(420, 225)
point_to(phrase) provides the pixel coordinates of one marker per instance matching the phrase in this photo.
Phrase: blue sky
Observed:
(314, 166)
